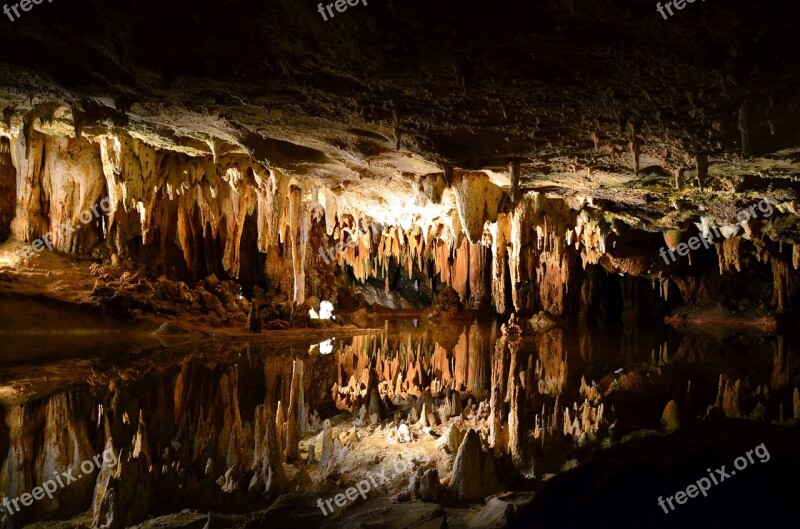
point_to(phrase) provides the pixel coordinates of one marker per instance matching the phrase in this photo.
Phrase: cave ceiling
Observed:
(388, 95)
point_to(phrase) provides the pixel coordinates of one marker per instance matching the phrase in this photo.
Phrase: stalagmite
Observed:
(452, 438)
(474, 473)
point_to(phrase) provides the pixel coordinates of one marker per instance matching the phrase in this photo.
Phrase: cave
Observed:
(399, 264)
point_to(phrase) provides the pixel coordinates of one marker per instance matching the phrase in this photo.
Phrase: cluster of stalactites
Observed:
(397, 369)
(141, 187)
(142, 179)
(537, 242)
(149, 191)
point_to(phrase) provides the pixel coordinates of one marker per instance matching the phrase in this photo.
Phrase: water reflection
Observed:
(191, 420)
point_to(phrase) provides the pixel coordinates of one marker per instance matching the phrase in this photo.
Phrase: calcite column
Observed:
(73, 181)
(27, 154)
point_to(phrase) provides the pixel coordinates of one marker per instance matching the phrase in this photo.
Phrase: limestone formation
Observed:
(269, 477)
(474, 472)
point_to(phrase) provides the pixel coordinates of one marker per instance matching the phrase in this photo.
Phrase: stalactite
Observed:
(277, 209)
(782, 284)
(331, 208)
(264, 200)
(478, 263)
(730, 256)
(781, 370)
(516, 429)
(796, 403)
(519, 249)
(299, 225)
(477, 201)
(460, 274)
(501, 231)
(242, 201)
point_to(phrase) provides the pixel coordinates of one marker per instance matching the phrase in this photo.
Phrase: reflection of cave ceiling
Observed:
(370, 101)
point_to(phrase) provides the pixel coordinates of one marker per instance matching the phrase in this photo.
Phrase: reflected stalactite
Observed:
(236, 423)
(782, 363)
